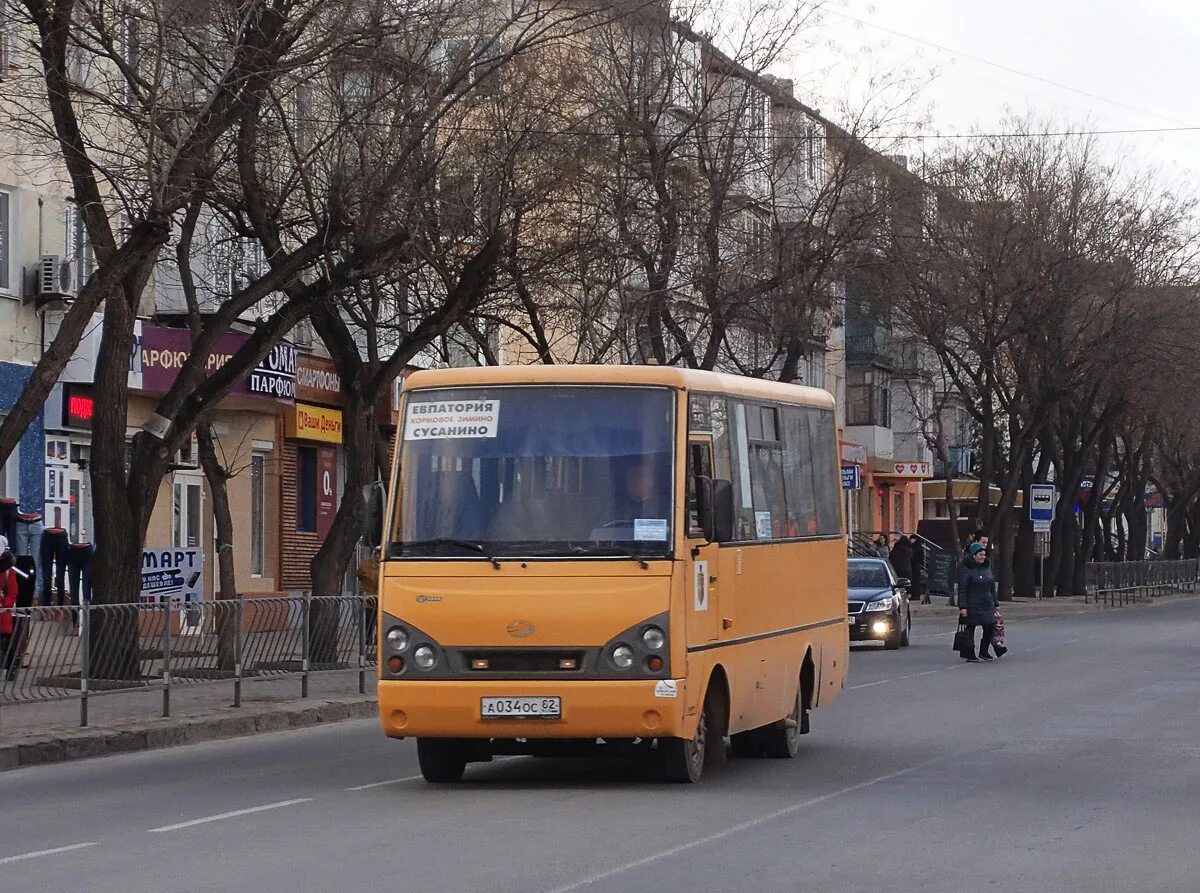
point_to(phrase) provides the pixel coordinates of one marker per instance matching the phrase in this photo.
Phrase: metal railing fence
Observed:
(1126, 582)
(82, 651)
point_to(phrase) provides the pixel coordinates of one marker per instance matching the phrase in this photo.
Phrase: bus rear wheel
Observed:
(781, 740)
(442, 760)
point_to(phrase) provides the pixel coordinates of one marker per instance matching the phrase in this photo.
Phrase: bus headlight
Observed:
(425, 657)
(622, 656)
(654, 638)
(397, 638)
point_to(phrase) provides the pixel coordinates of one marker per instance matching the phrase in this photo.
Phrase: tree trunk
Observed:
(120, 530)
(1091, 518)
(1176, 522)
(218, 484)
(1004, 569)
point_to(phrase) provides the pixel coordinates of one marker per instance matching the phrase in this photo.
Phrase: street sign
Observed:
(1041, 526)
(1041, 503)
(1041, 545)
(851, 477)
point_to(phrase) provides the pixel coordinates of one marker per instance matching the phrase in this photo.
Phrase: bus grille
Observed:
(523, 661)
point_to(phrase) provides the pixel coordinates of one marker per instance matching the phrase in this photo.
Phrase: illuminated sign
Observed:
(79, 406)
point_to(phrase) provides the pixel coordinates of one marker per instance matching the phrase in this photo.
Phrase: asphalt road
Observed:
(1071, 765)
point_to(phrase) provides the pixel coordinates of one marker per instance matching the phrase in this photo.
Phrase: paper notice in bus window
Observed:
(762, 525)
(452, 420)
(654, 529)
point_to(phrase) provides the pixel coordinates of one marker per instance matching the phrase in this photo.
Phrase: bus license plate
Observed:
(520, 708)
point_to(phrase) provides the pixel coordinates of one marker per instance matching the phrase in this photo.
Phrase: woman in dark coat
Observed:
(901, 558)
(977, 600)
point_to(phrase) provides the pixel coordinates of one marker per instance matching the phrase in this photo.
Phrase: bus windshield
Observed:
(553, 471)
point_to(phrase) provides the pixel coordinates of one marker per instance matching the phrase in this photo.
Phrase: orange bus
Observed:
(575, 557)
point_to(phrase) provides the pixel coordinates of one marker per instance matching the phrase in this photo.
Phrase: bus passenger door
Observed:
(704, 613)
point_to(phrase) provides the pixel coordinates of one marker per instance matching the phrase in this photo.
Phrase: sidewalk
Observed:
(47, 732)
(1030, 608)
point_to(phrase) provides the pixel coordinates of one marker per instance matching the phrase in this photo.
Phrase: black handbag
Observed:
(962, 639)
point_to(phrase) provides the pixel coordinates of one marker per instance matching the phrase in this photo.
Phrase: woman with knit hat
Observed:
(977, 601)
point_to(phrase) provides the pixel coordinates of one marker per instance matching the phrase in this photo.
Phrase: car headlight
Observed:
(622, 656)
(397, 638)
(654, 638)
(425, 657)
(883, 604)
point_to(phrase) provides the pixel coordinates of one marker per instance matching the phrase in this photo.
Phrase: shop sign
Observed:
(326, 490)
(164, 351)
(79, 406)
(907, 469)
(853, 453)
(317, 381)
(314, 423)
(275, 376)
(851, 477)
(172, 575)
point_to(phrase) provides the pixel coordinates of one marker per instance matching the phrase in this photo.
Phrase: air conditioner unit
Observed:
(55, 278)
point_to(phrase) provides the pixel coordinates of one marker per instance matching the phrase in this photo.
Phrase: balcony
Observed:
(867, 405)
(875, 349)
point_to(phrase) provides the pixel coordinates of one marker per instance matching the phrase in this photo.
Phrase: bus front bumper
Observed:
(589, 709)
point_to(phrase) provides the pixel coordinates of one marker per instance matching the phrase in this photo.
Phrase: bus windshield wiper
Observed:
(472, 545)
(609, 550)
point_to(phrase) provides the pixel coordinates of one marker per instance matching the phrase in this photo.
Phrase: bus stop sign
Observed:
(1041, 505)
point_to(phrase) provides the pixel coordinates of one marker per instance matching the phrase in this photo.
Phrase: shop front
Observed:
(893, 490)
(853, 460)
(312, 468)
(247, 426)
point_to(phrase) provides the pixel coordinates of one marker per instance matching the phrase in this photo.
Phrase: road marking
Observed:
(229, 815)
(39, 853)
(735, 829)
(380, 784)
(906, 676)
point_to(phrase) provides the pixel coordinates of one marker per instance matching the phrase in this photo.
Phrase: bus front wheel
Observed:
(442, 760)
(684, 759)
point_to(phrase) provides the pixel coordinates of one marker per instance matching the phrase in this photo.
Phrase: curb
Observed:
(82, 744)
(1054, 607)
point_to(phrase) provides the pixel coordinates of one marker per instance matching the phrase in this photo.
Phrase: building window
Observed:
(258, 513)
(306, 489)
(9, 472)
(5, 247)
(186, 512)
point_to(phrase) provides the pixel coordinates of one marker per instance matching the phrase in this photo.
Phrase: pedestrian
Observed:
(901, 558)
(919, 573)
(8, 601)
(977, 601)
(881, 547)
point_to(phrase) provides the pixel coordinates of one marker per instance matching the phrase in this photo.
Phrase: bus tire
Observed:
(442, 760)
(684, 759)
(781, 739)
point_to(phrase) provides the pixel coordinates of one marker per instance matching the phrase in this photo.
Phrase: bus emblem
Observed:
(520, 628)
(421, 599)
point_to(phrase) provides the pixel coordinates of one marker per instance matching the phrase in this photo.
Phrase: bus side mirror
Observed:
(722, 502)
(714, 505)
(374, 497)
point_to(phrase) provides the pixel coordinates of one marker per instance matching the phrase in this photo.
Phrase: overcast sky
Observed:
(1139, 61)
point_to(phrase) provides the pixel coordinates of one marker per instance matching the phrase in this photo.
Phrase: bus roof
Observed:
(664, 376)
